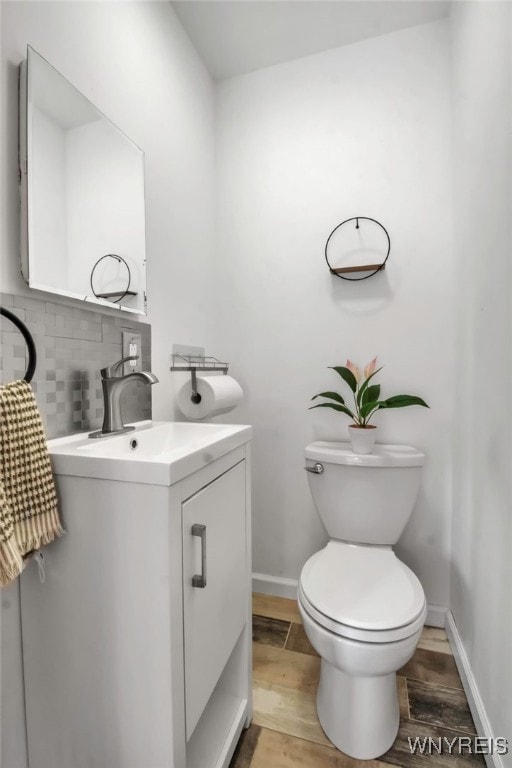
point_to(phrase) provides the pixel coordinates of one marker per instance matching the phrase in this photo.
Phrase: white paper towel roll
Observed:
(219, 394)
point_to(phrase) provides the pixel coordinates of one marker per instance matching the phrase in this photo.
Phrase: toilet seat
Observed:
(361, 635)
(362, 593)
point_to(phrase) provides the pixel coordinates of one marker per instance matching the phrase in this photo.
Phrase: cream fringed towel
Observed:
(29, 516)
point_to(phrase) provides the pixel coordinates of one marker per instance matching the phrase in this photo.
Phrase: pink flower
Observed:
(370, 368)
(355, 370)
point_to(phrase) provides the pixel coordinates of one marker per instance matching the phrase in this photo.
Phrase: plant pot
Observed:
(362, 438)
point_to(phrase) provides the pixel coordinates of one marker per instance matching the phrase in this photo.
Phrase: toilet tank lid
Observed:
(383, 455)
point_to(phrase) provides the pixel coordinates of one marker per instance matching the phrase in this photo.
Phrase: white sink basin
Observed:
(158, 453)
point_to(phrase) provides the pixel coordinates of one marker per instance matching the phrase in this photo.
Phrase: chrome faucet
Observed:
(113, 387)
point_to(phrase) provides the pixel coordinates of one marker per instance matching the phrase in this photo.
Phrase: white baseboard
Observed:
(476, 705)
(277, 586)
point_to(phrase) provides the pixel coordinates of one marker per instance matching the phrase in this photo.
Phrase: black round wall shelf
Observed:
(114, 296)
(371, 269)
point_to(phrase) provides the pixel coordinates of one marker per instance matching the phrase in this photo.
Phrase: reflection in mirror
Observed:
(82, 183)
(113, 286)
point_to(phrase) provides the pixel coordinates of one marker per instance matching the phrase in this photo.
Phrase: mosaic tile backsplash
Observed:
(72, 345)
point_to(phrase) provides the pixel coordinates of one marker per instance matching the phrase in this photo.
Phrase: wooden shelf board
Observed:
(362, 268)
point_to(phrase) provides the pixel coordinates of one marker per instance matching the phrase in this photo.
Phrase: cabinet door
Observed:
(214, 616)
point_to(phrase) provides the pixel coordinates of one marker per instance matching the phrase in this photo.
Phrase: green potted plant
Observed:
(367, 402)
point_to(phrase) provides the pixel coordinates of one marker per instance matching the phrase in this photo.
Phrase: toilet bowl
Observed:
(363, 610)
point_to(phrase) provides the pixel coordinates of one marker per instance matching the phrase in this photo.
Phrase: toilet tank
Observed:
(364, 499)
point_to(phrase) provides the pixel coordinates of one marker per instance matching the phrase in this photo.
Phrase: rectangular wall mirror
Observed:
(82, 192)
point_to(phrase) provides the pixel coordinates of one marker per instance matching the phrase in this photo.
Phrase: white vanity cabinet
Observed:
(214, 615)
(130, 662)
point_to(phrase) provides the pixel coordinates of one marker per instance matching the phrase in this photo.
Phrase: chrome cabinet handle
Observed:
(317, 468)
(200, 581)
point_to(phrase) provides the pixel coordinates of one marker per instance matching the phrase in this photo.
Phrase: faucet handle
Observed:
(110, 371)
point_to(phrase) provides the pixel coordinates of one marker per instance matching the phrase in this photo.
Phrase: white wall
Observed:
(134, 61)
(363, 129)
(482, 522)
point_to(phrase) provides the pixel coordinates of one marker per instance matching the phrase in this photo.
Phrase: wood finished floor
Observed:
(285, 732)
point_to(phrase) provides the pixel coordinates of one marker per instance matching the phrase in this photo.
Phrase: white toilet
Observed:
(363, 609)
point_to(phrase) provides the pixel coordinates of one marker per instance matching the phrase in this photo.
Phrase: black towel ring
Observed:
(32, 355)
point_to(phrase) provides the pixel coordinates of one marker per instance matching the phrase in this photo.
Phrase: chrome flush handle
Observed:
(317, 468)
